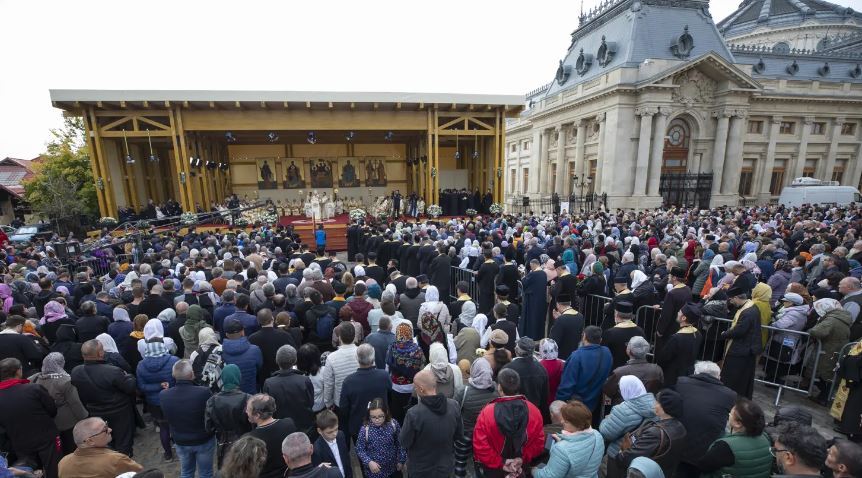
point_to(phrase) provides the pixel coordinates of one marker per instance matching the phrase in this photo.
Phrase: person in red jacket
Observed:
(508, 433)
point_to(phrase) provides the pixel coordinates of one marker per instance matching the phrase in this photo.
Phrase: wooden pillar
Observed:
(184, 162)
(95, 167)
(110, 200)
(180, 160)
(499, 142)
(429, 149)
(435, 163)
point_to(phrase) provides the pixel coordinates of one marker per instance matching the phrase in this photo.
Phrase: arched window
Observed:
(781, 48)
(676, 144)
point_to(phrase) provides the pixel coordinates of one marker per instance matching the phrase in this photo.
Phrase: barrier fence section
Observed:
(101, 265)
(466, 275)
(788, 358)
(835, 378)
(592, 307)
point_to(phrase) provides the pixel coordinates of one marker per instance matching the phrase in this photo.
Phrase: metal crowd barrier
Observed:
(787, 357)
(592, 307)
(101, 265)
(466, 275)
(835, 379)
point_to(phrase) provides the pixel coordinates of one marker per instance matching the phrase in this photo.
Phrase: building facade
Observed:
(656, 104)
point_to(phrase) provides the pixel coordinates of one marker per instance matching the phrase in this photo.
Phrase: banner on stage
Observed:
(348, 172)
(321, 173)
(266, 173)
(375, 172)
(294, 173)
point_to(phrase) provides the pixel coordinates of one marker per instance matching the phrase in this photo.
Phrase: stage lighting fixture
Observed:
(130, 159)
(153, 156)
(223, 166)
(211, 164)
(457, 155)
(272, 137)
(230, 137)
(350, 135)
(389, 136)
(311, 138)
(475, 155)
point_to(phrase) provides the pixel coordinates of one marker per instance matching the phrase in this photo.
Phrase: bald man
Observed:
(430, 430)
(93, 458)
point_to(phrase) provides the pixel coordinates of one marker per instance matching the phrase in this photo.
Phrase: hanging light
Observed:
(211, 164)
(223, 166)
(230, 137)
(389, 136)
(457, 150)
(475, 147)
(349, 136)
(153, 156)
(129, 158)
(311, 138)
(272, 136)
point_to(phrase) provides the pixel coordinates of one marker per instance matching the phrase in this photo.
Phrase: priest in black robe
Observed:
(353, 235)
(673, 302)
(535, 306)
(485, 277)
(744, 344)
(440, 273)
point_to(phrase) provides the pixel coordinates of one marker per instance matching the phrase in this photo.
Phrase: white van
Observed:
(814, 191)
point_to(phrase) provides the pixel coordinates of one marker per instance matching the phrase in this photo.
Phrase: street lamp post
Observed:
(580, 183)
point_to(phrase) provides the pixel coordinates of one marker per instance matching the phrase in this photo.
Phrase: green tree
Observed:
(63, 188)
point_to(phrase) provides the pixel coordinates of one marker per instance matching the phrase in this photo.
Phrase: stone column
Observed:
(545, 167)
(802, 155)
(855, 171)
(733, 161)
(601, 164)
(657, 156)
(719, 149)
(535, 162)
(642, 165)
(837, 123)
(562, 164)
(766, 172)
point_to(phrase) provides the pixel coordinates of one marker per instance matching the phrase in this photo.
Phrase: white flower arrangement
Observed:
(241, 222)
(269, 218)
(108, 221)
(435, 210)
(357, 214)
(470, 212)
(189, 218)
(496, 208)
(143, 224)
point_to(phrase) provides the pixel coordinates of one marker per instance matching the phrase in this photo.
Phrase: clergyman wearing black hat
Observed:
(565, 283)
(568, 326)
(743, 344)
(678, 295)
(677, 356)
(534, 377)
(662, 439)
(623, 330)
(513, 311)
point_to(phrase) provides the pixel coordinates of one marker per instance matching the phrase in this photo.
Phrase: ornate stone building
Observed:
(656, 104)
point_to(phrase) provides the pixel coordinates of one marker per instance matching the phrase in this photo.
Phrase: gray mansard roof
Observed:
(624, 33)
(753, 14)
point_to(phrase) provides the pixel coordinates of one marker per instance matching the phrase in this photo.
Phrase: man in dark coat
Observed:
(292, 391)
(485, 280)
(508, 275)
(361, 387)
(425, 255)
(430, 430)
(743, 344)
(650, 374)
(270, 339)
(535, 307)
(673, 302)
(534, 377)
(568, 326)
(27, 414)
(707, 405)
(440, 273)
(353, 234)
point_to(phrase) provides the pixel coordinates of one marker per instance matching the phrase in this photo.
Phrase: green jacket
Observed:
(833, 332)
(751, 454)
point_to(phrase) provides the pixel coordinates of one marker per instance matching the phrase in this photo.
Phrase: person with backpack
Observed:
(207, 361)
(225, 411)
(509, 432)
(377, 446)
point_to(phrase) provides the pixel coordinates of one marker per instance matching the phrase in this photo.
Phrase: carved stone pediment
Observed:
(694, 87)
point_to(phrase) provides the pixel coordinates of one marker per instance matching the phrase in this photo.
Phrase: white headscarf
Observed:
(121, 315)
(631, 387)
(107, 343)
(824, 306)
(154, 329)
(480, 323)
(432, 294)
(638, 278)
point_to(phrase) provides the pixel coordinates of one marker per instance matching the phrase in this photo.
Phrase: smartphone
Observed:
(549, 441)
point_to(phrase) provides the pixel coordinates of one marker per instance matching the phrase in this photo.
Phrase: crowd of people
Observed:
(498, 346)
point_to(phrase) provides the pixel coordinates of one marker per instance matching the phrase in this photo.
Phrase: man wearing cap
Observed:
(677, 356)
(513, 311)
(568, 326)
(534, 377)
(617, 337)
(485, 277)
(565, 283)
(623, 294)
(503, 324)
(743, 344)
(678, 296)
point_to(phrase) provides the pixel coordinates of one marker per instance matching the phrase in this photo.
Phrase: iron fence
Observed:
(592, 307)
(466, 275)
(556, 205)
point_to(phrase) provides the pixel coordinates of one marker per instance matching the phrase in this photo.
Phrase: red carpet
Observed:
(297, 221)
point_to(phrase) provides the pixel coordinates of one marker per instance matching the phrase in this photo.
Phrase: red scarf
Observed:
(12, 382)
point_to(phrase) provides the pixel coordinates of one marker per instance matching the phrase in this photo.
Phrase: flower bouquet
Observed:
(241, 222)
(495, 208)
(189, 218)
(579, 279)
(107, 221)
(470, 212)
(269, 218)
(357, 214)
(435, 211)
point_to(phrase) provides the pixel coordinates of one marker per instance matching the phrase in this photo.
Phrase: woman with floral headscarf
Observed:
(55, 316)
(59, 386)
(833, 332)
(549, 358)
(405, 360)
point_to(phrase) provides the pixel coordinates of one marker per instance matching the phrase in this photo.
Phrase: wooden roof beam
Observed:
(145, 103)
(286, 105)
(237, 104)
(330, 105)
(421, 106)
(376, 106)
(122, 104)
(454, 106)
(167, 104)
(212, 104)
(98, 104)
(185, 104)
(398, 105)
(352, 105)
(263, 105)
(308, 105)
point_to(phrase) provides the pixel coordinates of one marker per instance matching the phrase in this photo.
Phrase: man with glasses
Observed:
(93, 458)
(798, 450)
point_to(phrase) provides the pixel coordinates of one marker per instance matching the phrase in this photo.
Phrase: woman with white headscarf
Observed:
(112, 353)
(637, 405)
(154, 332)
(435, 308)
(587, 269)
(833, 332)
(448, 375)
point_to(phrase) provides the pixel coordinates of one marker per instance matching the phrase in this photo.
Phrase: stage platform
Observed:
(336, 230)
